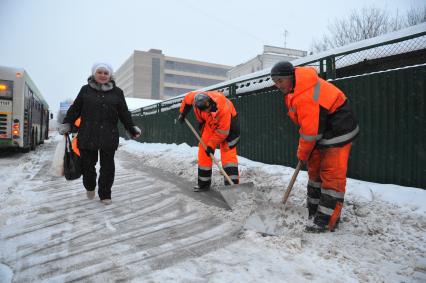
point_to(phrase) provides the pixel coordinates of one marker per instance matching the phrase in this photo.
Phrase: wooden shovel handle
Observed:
(211, 155)
(293, 179)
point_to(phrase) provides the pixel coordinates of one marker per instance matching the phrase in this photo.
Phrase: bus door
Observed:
(6, 96)
(42, 127)
(28, 115)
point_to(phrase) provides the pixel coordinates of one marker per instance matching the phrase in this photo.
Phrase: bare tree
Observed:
(416, 16)
(365, 23)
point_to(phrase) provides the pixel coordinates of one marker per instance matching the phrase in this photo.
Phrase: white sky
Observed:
(58, 41)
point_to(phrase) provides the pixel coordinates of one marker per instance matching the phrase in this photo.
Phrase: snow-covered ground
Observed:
(381, 237)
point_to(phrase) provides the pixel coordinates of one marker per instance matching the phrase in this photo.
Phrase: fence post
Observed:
(232, 90)
(331, 67)
(321, 69)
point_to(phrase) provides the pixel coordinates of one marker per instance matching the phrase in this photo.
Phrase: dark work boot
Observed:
(201, 189)
(319, 224)
(318, 228)
(314, 228)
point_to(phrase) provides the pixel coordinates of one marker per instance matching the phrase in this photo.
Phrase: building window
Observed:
(193, 68)
(155, 82)
(173, 91)
(188, 80)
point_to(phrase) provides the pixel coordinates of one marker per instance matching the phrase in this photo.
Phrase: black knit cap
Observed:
(282, 68)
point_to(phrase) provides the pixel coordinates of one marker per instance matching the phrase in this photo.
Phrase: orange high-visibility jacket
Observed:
(312, 106)
(219, 121)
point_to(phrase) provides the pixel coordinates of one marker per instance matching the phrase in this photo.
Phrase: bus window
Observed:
(6, 89)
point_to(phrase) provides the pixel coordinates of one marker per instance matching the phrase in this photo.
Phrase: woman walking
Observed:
(99, 104)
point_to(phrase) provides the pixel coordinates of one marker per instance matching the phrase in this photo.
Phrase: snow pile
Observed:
(134, 103)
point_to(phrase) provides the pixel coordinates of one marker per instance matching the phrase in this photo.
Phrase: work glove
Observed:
(64, 128)
(181, 118)
(303, 156)
(185, 111)
(209, 150)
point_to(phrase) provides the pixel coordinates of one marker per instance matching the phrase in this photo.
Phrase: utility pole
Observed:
(285, 38)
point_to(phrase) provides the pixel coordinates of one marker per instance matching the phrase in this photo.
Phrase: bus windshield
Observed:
(6, 89)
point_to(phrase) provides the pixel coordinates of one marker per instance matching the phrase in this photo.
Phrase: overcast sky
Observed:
(58, 41)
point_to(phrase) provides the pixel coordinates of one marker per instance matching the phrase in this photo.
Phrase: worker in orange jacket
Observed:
(327, 128)
(219, 127)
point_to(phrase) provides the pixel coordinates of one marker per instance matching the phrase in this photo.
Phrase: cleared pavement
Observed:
(64, 237)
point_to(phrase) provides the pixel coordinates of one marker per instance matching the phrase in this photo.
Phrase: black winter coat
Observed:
(99, 112)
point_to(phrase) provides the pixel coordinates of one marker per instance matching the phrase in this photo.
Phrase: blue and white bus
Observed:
(24, 114)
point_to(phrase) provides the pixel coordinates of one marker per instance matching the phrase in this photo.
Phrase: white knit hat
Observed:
(102, 65)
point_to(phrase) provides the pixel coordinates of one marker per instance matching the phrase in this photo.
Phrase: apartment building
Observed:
(153, 75)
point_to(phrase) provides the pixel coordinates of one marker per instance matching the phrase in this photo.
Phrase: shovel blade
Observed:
(235, 194)
(276, 220)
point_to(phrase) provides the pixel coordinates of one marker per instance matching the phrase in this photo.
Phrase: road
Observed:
(53, 233)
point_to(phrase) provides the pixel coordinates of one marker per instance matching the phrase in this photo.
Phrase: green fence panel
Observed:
(390, 107)
(267, 134)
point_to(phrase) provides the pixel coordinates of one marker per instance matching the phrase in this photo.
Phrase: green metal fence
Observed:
(390, 107)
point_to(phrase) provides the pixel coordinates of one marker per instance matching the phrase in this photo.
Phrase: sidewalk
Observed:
(62, 236)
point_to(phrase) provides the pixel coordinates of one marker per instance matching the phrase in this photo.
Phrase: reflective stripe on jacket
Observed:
(322, 112)
(219, 121)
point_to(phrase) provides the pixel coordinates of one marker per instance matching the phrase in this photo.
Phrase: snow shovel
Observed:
(276, 219)
(234, 193)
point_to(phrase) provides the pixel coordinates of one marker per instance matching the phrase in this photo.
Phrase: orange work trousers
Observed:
(329, 166)
(228, 157)
(327, 184)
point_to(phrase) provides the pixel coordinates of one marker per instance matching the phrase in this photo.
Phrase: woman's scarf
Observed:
(101, 87)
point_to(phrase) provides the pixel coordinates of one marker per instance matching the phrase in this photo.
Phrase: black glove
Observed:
(181, 118)
(209, 150)
(186, 109)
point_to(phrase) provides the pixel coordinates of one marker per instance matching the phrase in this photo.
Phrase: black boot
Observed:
(314, 228)
(318, 225)
(317, 228)
(201, 189)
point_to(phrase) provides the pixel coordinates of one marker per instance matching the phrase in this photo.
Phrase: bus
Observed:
(24, 114)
